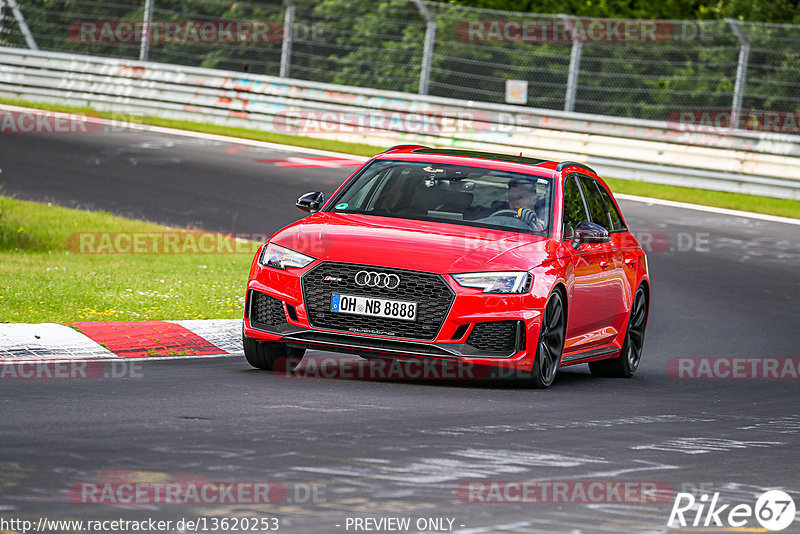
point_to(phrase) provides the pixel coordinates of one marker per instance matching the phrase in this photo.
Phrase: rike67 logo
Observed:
(774, 511)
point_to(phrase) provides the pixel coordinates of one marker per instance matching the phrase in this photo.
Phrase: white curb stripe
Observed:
(223, 333)
(23, 341)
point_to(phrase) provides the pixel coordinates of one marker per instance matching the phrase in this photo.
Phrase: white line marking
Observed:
(307, 162)
(187, 357)
(468, 463)
(507, 527)
(615, 473)
(311, 408)
(704, 445)
(710, 209)
(57, 359)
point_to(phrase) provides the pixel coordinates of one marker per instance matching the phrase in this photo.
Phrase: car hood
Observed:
(413, 245)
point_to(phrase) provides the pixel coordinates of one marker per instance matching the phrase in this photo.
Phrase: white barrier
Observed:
(738, 161)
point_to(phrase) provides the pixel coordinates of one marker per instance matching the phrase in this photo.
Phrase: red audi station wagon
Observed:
(486, 259)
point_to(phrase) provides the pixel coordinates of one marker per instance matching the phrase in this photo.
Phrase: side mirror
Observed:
(310, 202)
(587, 232)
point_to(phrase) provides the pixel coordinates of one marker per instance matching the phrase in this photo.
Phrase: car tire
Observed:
(550, 345)
(268, 355)
(630, 355)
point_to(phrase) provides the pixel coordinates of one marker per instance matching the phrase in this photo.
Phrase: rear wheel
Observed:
(265, 354)
(551, 342)
(630, 355)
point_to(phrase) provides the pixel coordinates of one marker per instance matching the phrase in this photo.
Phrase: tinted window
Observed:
(574, 210)
(454, 194)
(594, 201)
(616, 218)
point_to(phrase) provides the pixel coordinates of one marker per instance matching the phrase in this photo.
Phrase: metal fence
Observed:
(640, 69)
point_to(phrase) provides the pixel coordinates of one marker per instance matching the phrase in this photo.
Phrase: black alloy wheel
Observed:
(551, 342)
(630, 355)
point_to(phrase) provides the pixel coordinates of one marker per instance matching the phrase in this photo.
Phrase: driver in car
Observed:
(523, 199)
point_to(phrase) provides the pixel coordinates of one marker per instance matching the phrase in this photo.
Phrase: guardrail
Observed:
(654, 151)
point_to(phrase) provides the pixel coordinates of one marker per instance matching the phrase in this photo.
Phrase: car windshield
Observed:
(456, 194)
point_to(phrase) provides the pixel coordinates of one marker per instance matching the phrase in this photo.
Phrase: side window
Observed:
(616, 219)
(574, 209)
(594, 201)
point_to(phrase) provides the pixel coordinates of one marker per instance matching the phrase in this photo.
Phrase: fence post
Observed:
(23, 26)
(144, 48)
(288, 35)
(741, 70)
(427, 51)
(574, 65)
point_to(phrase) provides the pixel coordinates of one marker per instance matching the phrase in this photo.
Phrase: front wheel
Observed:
(551, 343)
(624, 365)
(265, 354)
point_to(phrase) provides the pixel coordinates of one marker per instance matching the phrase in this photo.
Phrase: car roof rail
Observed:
(573, 164)
(401, 147)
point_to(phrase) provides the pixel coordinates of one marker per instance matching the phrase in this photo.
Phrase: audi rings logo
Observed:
(373, 279)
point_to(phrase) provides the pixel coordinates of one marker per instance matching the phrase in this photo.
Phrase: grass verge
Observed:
(720, 199)
(50, 275)
(736, 201)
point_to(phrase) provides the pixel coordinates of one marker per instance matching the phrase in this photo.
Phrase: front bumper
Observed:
(477, 328)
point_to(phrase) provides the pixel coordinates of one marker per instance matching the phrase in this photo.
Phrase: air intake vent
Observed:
(265, 311)
(494, 336)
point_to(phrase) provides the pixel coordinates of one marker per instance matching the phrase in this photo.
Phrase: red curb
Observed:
(136, 339)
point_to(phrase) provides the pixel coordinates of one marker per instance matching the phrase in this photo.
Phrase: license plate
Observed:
(391, 309)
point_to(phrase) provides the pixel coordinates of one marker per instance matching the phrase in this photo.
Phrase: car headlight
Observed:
(279, 257)
(498, 282)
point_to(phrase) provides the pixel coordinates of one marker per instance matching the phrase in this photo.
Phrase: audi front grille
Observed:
(432, 294)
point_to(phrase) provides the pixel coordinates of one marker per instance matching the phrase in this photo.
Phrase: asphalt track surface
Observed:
(400, 449)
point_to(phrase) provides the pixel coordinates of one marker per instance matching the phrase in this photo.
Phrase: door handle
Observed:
(604, 264)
